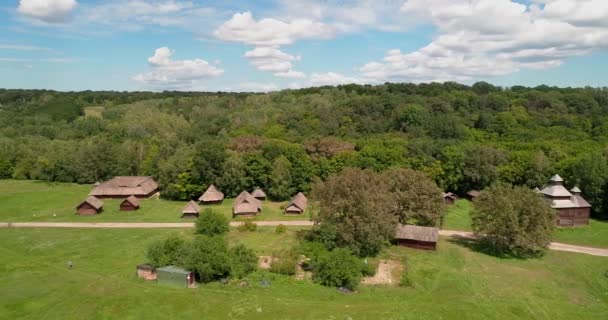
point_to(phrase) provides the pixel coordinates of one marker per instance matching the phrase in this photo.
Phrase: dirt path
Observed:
(554, 245)
(385, 273)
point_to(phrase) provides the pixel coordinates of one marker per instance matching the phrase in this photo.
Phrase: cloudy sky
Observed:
(274, 44)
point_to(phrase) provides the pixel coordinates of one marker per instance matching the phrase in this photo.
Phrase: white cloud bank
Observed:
(179, 74)
(49, 11)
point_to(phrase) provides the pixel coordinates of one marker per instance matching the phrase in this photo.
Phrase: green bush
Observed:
(284, 262)
(280, 229)
(208, 257)
(164, 252)
(339, 268)
(248, 226)
(212, 223)
(243, 261)
(368, 269)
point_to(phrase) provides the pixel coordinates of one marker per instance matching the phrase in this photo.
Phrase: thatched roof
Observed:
(297, 203)
(132, 200)
(449, 195)
(258, 193)
(93, 202)
(474, 193)
(191, 207)
(211, 195)
(246, 203)
(123, 186)
(410, 232)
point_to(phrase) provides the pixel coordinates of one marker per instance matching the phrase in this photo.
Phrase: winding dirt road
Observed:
(302, 223)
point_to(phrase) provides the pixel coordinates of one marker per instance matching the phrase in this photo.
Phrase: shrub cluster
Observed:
(212, 223)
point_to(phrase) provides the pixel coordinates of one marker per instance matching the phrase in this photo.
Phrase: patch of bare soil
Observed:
(302, 274)
(386, 273)
(264, 262)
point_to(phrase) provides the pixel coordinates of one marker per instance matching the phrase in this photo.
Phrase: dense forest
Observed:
(462, 137)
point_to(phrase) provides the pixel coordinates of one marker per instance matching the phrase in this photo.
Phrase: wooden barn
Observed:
(211, 196)
(297, 205)
(416, 236)
(246, 205)
(129, 204)
(89, 206)
(146, 271)
(259, 194)
(449, 198)
(472, 194)
(125, 186)
(571, 208)
(191, 210)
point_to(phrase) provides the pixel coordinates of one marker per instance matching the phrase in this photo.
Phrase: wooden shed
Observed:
(90, 206)
(146, 271)
(416, 236)
(129, 204)
(125, 186)
(212, 196)
(449, 198)
(246, 205)
(297, 205)
(472, 194)
(571, 208)
(259, 194)
(174, 276)
(191, 210)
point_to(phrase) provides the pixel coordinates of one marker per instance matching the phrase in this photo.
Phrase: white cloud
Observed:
(273, 60)
(19, 47)
(331, 79)
(242, 27)
(169, 73)
(49, 11)
(485, 38)
(255, 87)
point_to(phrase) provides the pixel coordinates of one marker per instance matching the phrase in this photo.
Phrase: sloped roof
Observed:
(132, 200)
(474, 193)
(449, 195)
(575, 190)
(191, 207)
(246, 203)
(537, 190)
(418, 233)
(299, 201)
(556, 190)
(556, 178)
(580, 202)
(125, 186)
(212, 194)
(563, 204)
(173, 269)
(258, 193)
(93, 202)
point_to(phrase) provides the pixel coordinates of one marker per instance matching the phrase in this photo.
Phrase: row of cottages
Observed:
(125, 186)
(92, 205)
(211, 196)
(245, 204)
(572, 209)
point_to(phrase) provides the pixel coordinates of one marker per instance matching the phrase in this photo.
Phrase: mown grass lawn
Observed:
(26, 200)
(458, 216)
(452, 283)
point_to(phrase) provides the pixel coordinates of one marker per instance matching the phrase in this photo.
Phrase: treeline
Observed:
(462, 137)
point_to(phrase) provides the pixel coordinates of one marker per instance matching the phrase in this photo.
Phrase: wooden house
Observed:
(246, 205)
(125, 186)
(449, 198)
(146, 271)
(571, 208)
(89, 206)
(191, 210)
(297, 205)
(211, 196)
(416, 236)
(129, 204)
(472, 194)
(259, 194)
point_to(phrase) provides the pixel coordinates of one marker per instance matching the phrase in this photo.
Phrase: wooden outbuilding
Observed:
(211, 196)
(125, 186)
(191, 210)
(416, 236)
(297, 205)
(90, 206)
(472, 194)
(129, 204)
(449, 198)
(259, 194)
(571, 208)
(246, 205)
(146, 271)
(174, 276)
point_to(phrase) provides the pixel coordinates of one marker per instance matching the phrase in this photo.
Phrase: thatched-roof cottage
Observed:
(416, 236)
(472, 194)
(449, 197)
(191, 210)
(297, 205)
(124, 186)
(572, 209)
(89, 206)
(245, 204)
(129, 204)
(212, 196)
(259, 194)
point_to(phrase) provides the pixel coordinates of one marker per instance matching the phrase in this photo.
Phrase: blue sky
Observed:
(270, 45)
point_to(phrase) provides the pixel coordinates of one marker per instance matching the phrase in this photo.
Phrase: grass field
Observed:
(452, 283)
(457, 217)
(25, 200)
